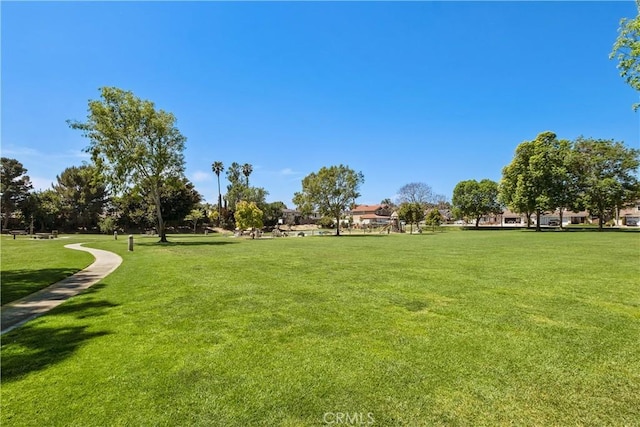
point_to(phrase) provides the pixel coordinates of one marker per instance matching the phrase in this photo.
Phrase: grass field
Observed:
(453, 328)
(29, 265)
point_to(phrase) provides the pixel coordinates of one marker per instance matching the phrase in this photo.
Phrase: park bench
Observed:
(44, 236)
(15, 233)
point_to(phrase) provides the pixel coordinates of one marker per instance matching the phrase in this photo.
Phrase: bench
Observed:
(43, 236)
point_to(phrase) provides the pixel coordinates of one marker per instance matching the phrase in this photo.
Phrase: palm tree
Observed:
(246, 170)
(218, 167)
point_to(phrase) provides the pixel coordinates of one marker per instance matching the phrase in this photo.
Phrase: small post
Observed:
(14, 236)
(130, 242)
(115, 235)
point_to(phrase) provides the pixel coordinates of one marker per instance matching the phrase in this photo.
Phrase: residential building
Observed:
(370, 215)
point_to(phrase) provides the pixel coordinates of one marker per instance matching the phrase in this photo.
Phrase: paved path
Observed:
(18, 312)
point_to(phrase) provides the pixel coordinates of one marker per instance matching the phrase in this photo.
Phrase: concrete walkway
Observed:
(18, 312)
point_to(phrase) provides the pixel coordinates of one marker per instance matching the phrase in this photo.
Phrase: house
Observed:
(513, 219)
(370, 215)
(629, 216)
(552, 219)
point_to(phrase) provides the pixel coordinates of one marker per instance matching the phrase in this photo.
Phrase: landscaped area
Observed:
(455, 328)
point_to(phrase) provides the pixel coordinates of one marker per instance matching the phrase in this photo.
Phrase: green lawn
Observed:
(454, 328)
(28, 265)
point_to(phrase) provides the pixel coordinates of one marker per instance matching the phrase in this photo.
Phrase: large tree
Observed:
(564, 179)
(607, 176)
(15, 185)
(476, 199)
(136, 208)
(416, 192)
(626, 50)
(330, 191)
(132, 143)
(533, 181)
(217, 168)
(178, 198)
(236, 186)
(44, 208)
(82, 196)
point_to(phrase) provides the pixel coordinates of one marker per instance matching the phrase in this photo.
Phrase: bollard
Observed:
(130, 242)
(115, 235)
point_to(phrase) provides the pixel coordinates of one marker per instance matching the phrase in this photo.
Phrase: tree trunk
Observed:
(601, 213)
(5, 223)
(219, 202)
(161, 230)
(338, 225)
(560, 218)
(477, 222)
(537, 219)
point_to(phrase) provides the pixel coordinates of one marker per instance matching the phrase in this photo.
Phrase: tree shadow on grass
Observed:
(173, 243)
(355, 236)
(34, 348)
(20, 283)
(84, 308)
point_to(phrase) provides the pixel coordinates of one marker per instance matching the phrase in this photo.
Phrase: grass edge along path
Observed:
(29, 265)
(18, 312)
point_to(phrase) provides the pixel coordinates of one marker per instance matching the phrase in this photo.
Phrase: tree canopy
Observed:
(82, 196)
(248, 215)
(416, 192)
(15, 185)
(626, 50)
(476, 199)
(411, 212)
(330, 191)
(132, 143)
(549, 174)
(536, 178)
(194, 216)
(607, 175)
(434, 218)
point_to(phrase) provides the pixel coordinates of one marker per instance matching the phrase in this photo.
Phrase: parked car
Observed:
(554, 223)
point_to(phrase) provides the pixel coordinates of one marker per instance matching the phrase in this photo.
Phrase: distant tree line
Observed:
(136, 181)
(548, 174)
(79, 201)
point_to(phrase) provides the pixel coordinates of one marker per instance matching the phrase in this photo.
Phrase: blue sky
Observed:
(433, 92)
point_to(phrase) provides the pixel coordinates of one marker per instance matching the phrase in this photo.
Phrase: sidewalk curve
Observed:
(20, 311)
